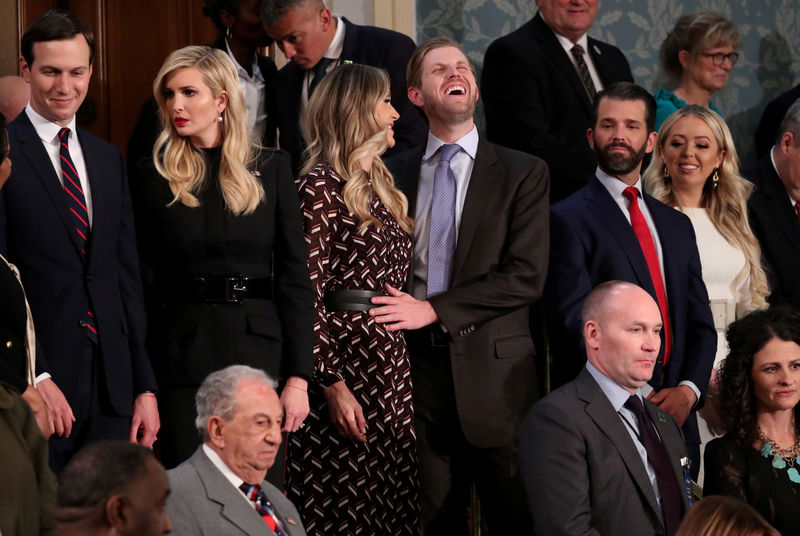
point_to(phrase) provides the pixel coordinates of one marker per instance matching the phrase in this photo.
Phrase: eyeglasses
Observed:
(719, 57)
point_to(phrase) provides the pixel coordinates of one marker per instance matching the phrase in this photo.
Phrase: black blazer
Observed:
(592, 242)
(770, 122)
(37, 235)
(188, 340)
(582, 472)
(498, 271)
(13, 323)
(775, 224)
(535, 102)
(148, 125)
(367, 45)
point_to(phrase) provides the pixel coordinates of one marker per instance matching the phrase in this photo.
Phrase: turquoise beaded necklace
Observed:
(781, 458)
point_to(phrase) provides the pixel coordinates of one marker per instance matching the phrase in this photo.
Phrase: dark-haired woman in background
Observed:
(222, 250)
(353, 469)
(757, 460)
(699, 54)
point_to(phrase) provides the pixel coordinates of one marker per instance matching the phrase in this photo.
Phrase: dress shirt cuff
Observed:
(694, 388)
(41, 377)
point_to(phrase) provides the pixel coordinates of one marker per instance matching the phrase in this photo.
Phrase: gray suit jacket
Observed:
(582, 472)
(204, 502)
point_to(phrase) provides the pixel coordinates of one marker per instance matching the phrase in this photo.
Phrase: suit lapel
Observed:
(550, 44)
(779, 203)
(600, 202)
(234, 506)
(608, 421)
(33, 151)
(484, 175)
(350, 45)
(99, 193)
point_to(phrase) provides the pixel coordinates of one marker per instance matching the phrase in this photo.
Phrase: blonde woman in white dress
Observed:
(695, 168)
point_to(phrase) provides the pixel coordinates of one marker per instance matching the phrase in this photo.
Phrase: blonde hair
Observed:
(726, 206)
(695, 32)
(176, 158)
(342, 128)
(719, 515)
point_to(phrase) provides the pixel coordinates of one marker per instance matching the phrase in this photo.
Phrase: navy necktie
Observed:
(76, 201)
(319, 73)
(442, 238)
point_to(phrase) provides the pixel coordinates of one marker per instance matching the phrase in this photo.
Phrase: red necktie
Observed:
(797, 209)
(651, 256)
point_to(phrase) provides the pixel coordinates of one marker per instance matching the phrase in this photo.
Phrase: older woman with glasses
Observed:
(699, 54)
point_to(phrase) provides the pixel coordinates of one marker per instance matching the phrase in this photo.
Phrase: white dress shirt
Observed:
(461, 164)
(567, 45)
(253, 91)
(48, 133)
(333, 53)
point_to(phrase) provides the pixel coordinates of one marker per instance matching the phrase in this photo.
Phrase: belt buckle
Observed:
(237, 289)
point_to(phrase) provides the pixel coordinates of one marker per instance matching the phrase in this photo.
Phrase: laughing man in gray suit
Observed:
(596, 458)
(221, 488)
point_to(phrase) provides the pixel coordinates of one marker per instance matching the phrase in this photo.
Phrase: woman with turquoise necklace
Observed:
(699, 54)
(758, 460)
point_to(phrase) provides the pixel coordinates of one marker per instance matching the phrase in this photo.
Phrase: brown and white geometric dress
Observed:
(341, 486)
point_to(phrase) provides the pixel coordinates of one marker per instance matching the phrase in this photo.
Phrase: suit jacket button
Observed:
(472, 328)
(9, 344)
(82, 323)
(89, 277)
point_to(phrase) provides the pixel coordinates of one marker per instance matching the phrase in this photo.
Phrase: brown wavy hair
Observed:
(342, 128)
(746, 337)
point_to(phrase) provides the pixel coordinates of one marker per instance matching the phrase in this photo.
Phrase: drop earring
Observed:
(715, 178)
(667, 178)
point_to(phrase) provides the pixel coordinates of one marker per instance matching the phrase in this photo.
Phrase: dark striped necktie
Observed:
(76, 201)
(264, 507)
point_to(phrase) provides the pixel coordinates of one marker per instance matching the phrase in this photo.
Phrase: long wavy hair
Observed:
(695, 32)
(746, 337)
(342, 128)
(726, 206)
(181, 163)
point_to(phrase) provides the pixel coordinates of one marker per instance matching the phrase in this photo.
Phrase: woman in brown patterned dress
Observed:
(352, 469)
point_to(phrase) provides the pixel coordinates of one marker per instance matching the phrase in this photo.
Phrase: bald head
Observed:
(622, 327)
(14, 95)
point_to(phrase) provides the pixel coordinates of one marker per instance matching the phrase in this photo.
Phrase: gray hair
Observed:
(791, 123)
(217, 394)
(273, 11)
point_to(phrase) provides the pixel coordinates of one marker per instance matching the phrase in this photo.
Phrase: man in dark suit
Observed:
(609, 230)
(535, 72)
(590, 458)
(241, 34)
(66, 222)
(314, 41)
(239, 417)
(767, 130)
(480, 251)
(775, 212)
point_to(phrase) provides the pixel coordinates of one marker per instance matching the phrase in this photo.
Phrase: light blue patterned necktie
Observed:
(442, 238)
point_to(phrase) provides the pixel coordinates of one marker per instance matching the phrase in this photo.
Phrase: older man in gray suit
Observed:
(596, 457)
(221, 488)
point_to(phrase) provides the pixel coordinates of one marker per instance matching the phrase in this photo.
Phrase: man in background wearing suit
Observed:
(775, 211)
(610, 229)
(221, 488)
(315, 42)
(480, 252)
(597, 456)
(548, 72)
(67, 224)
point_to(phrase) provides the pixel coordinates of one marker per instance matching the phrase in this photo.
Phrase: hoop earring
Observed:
(667, 178)
(715, 178)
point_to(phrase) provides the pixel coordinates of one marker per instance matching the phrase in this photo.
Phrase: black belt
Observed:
(350, 300)
(228, 288)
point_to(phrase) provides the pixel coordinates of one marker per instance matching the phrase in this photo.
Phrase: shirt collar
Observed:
(334, 51)
(615, 186)
(46, 129)
(222, 466)
(468, 143)
(615, 393)
(241, 71)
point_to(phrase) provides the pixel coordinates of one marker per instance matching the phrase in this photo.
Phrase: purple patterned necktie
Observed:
(76, 201)
(442, 239)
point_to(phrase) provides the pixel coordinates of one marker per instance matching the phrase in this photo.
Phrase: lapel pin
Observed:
(662, 418)
(596, 50)
(291, 521)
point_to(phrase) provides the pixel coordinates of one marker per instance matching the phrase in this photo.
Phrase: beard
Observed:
(451, 115)
(619, 163)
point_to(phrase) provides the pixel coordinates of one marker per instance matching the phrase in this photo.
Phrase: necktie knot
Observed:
(631, 193)
(448, 151)
(63, 135)
(635, 404)
(577, 50)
